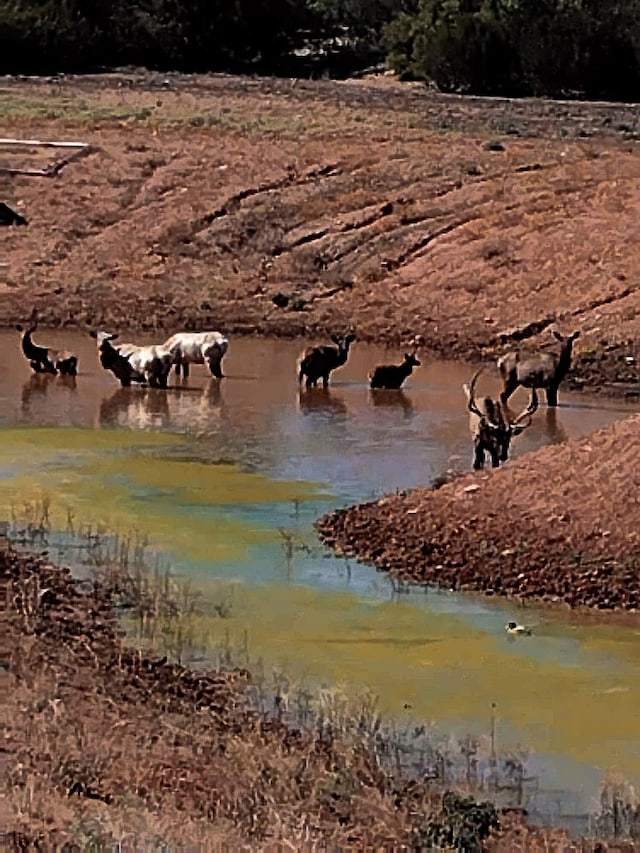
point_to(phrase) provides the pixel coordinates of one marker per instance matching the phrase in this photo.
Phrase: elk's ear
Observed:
(335, 339)
(516, 430)
(19, 328)
(575, 335)
(556, 334)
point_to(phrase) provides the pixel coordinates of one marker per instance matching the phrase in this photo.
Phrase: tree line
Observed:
(567, 48)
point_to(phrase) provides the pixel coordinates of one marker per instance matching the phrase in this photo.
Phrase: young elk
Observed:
(393, 375)
(491, 426)
(318, 362)
(44, 359)
(537, 370)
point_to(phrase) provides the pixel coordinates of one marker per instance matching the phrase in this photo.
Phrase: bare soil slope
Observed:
(561, 525)
(475, 222)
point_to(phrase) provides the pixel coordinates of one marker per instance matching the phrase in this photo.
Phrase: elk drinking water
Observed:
(492, 427)
(537, 370)
(318, 362)
(45, 359)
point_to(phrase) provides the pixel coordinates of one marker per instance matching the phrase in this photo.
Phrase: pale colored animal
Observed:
(492, 427)
(198, 348)
(319, 362)
(537, 370)
(113, 360)
(152, 361)
(515, 629)
(46, 359)
(393, 375)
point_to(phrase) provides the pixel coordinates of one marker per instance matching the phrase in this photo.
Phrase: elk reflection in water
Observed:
(37, 387)
(153, 408)
(321, 400)
(392, 399)
(553, 428)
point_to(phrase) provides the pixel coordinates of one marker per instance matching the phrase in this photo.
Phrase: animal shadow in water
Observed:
(322, 400)
(37, 385)
(136, 408)
(553, 429)
(392, 399)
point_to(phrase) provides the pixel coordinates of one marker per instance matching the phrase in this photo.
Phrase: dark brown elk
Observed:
(393, 375)
(537, 370)
(45, 359)
(318, 362)
(492, 427)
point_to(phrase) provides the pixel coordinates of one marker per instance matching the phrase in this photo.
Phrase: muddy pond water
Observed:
(226, 479)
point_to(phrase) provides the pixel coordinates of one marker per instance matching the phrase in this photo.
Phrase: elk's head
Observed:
(495, 428)
(411, 359)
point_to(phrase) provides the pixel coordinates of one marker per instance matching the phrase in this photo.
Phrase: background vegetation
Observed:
(587, 48)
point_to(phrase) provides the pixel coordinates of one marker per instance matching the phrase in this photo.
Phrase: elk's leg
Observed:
(510, 385)
(325, 380)
(214, 367)
(552, 395)
(178, 368)
(495, 459)
(478, 457)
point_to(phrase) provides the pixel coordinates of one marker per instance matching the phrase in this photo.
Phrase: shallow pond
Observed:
(226, 480)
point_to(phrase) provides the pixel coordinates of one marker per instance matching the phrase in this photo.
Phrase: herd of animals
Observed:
(492, 423)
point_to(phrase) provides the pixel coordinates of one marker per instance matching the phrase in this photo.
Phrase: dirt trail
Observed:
(475, 222)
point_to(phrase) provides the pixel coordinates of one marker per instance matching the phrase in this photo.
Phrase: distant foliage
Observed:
(586, 48)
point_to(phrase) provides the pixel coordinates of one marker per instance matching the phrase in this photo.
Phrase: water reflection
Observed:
(178, 407)
(553, 427)
(312, 400)
(37, 387)
(392, 399)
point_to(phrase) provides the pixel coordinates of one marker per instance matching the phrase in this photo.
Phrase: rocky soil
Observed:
(560, 526)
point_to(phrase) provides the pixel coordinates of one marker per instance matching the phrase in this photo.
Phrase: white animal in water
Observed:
(189, 348)
(515, 629)
(153, 362)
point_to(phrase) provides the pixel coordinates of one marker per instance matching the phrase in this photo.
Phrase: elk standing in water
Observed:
(538, 370)
(318, 362)
(393, 375)
(491, 426)
(44, 359)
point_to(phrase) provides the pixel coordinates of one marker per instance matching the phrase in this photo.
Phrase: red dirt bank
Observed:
(561, 525)
(475, 222)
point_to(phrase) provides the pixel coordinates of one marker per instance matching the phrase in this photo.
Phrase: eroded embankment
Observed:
(298, 208)
(105, 745)
(560, 525)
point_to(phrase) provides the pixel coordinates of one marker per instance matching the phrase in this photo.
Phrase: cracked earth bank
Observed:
(474, 222)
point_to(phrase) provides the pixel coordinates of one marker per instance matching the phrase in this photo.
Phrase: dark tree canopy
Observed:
(586, 48)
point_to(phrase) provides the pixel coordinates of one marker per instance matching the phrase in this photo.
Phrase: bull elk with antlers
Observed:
(537, 370)
(491, 426)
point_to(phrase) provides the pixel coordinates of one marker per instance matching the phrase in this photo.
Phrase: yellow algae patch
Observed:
(121, 482)
(195, 482)
(441, 667)
(53, 439)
